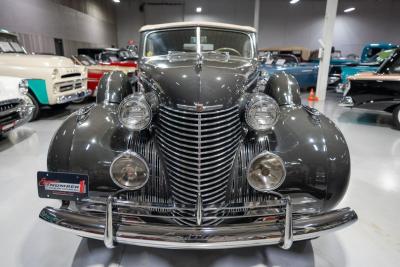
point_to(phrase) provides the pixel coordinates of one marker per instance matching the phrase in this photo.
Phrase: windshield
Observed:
(211, 40)
(9, 44)
(281, 60)
(86, 60)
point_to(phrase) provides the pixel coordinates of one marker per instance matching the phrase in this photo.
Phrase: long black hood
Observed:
(213, 82)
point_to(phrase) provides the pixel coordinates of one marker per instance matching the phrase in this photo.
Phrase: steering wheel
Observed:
(229, 50)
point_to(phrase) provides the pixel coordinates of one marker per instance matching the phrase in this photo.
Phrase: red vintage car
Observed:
(97, 69)
(118, 57)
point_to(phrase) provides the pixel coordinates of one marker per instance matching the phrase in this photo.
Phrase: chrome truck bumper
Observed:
(130, 230)
(72, 97)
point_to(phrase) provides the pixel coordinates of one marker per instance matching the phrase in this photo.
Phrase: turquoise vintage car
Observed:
(306, 73)
(367, 59)
(372, 66)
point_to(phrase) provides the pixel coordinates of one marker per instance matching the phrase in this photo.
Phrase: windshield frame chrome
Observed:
(197, 30)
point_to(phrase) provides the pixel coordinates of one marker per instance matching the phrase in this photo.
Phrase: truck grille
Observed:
(198, 151)
(69, 85)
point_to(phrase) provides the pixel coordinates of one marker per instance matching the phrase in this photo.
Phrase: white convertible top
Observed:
(195, 24)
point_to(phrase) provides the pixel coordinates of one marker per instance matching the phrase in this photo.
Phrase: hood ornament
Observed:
(199, 63)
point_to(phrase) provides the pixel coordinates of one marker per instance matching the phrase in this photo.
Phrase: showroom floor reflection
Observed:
(373, 192)
(93, 253)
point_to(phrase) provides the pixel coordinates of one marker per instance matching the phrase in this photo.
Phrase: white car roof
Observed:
(195, 24)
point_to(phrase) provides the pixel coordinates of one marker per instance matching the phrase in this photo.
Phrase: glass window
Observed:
(9, 44)
(164, 42)
(6, 47)
(394, 67)
(211, 40)
(16, 47)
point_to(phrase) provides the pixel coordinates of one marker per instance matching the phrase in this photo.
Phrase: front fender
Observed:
(315, 153)
(88, 144)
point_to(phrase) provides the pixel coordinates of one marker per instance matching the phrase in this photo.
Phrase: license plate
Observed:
(61, 185)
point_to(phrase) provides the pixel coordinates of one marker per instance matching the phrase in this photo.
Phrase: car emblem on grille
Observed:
(199, 107)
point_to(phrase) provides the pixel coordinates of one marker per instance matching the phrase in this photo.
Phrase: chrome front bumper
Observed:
(72, 97)
(24, 110)
(112, 228)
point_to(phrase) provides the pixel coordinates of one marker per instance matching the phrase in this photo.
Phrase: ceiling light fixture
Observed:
(199, 9)
(350, 9)
(294, 1)
(116, 1)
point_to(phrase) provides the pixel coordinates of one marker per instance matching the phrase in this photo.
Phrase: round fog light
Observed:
(266, 172)
(129, 171)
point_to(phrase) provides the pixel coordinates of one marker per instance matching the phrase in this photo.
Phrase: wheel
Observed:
(30, 99)
(396, 118)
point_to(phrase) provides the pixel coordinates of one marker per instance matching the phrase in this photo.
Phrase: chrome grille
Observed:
(7, 105)
(198, 150)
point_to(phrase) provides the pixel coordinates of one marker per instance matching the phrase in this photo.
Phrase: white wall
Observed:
(282, 24)
(38, 22)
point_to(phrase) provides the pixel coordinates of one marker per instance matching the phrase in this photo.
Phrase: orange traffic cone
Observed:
(312, 96)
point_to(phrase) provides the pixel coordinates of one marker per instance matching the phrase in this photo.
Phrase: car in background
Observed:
(301, 53)
(96, 71)
(378, 90)
(52, 80)
(371, 66)
(369, 51)
(117, 57)
(305, 73)
(15, 110)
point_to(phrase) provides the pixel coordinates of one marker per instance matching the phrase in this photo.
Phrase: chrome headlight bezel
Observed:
(267, 156)
(129, 155)
(260, 100)
(139, 100)
(23, 87)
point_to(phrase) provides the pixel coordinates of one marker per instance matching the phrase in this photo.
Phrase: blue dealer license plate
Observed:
(61, 185)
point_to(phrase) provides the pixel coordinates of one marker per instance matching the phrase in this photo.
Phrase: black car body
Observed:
(207, 155)
(378, 90)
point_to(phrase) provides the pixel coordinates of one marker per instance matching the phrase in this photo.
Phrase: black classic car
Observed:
(206, 155)
(378, 90)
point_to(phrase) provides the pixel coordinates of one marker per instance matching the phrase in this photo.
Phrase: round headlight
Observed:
(134, 112)
(266, 172)
(129, 171)
(262, 112)
(23, 87)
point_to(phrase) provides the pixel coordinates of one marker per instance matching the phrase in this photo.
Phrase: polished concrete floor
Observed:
(374, 192)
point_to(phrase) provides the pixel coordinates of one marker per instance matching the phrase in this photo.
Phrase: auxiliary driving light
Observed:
(266, 172)
(129, 171)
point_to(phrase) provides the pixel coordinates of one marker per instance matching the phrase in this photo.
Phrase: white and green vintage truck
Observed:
(52, 80)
